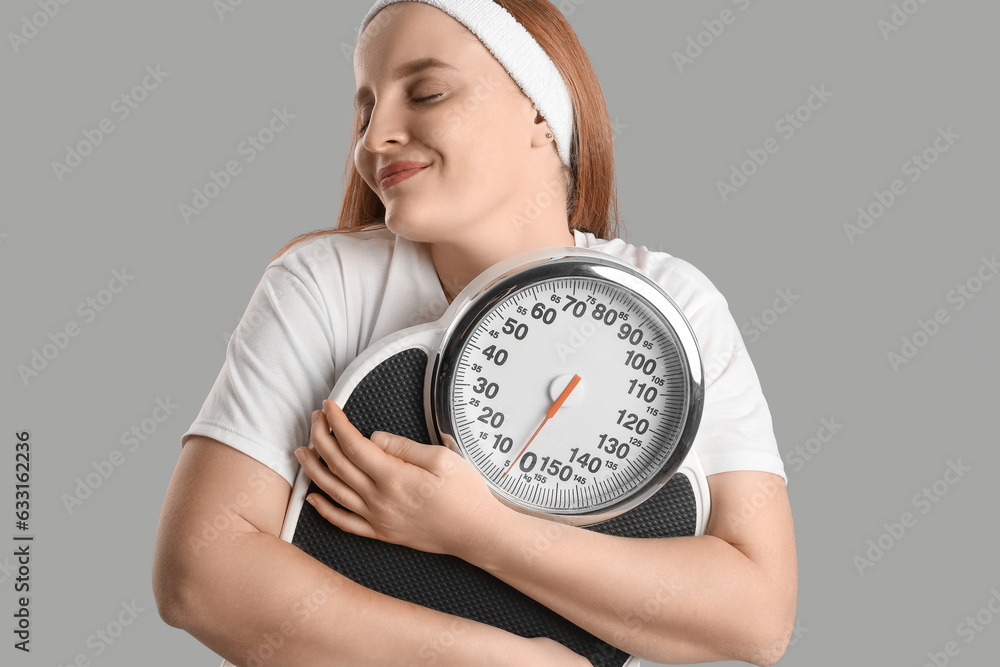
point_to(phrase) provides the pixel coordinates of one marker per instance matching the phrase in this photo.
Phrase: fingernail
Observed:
(299, 453)
(311, 501)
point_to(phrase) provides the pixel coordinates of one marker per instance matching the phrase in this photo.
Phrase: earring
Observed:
(549, 135)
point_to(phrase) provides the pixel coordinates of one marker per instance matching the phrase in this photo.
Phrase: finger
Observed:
(329, 482)
(362, 452)
(341, 518)
(428, 457)
(329, 448)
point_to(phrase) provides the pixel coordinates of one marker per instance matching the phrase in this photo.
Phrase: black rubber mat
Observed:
(390, 399)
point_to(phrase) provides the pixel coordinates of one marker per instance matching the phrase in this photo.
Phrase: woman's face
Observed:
(466, 118)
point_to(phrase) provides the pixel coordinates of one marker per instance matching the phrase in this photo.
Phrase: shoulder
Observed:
(366, 245)
(704, 306)
(686, 284)
(325, 261)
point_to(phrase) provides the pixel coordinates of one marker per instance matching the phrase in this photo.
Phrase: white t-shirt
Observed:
(326, 299)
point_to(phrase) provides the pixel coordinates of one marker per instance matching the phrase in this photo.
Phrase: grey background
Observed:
(165, 335)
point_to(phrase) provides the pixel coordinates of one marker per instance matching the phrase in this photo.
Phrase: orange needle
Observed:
(548, 415)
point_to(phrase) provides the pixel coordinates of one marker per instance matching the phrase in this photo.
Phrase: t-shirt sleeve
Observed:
(735, 432)
(279, 367)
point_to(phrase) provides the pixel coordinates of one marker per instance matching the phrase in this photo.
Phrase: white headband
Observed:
(514, 48)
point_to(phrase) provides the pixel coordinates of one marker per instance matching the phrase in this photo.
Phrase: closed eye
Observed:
(420, 100)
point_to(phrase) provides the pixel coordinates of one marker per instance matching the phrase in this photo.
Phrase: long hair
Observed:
(592, 201)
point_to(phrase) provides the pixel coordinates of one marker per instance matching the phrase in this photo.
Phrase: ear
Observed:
(540, 133)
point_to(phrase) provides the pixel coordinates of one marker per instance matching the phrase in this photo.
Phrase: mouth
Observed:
(399, 177)
(397, 172)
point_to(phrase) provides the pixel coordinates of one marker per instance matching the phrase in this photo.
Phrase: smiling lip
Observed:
(398, 172)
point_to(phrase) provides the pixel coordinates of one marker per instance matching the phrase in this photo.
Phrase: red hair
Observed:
(592, 204)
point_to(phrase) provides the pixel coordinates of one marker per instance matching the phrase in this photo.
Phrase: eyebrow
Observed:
(407, 69)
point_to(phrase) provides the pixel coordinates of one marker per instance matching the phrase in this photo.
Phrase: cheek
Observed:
(472, 117)
(473, 137)
(451, 129)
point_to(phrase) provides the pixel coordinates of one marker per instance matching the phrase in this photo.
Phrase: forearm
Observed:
(672, 600)
(257, 600)
(685, 599)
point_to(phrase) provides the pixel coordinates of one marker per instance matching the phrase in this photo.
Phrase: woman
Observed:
(465, 155)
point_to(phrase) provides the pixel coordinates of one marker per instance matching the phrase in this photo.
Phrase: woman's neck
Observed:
(457, 265)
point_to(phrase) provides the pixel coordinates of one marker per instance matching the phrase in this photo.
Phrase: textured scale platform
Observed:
(390, 398)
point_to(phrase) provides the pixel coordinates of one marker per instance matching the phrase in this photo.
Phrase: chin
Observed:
(413, 228)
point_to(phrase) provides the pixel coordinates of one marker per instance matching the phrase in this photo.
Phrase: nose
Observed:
(384, 130)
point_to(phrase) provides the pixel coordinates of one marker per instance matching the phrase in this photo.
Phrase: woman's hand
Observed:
(422, 496)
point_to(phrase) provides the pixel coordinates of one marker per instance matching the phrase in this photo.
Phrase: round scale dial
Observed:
(573, 385)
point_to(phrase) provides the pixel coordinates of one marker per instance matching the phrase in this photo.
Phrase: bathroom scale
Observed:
(573, 383)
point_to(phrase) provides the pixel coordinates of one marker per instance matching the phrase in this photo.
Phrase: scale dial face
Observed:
(574, 386)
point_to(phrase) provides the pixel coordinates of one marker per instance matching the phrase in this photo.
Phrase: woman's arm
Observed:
(727, 595)
(221, 573)
(730, 594)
